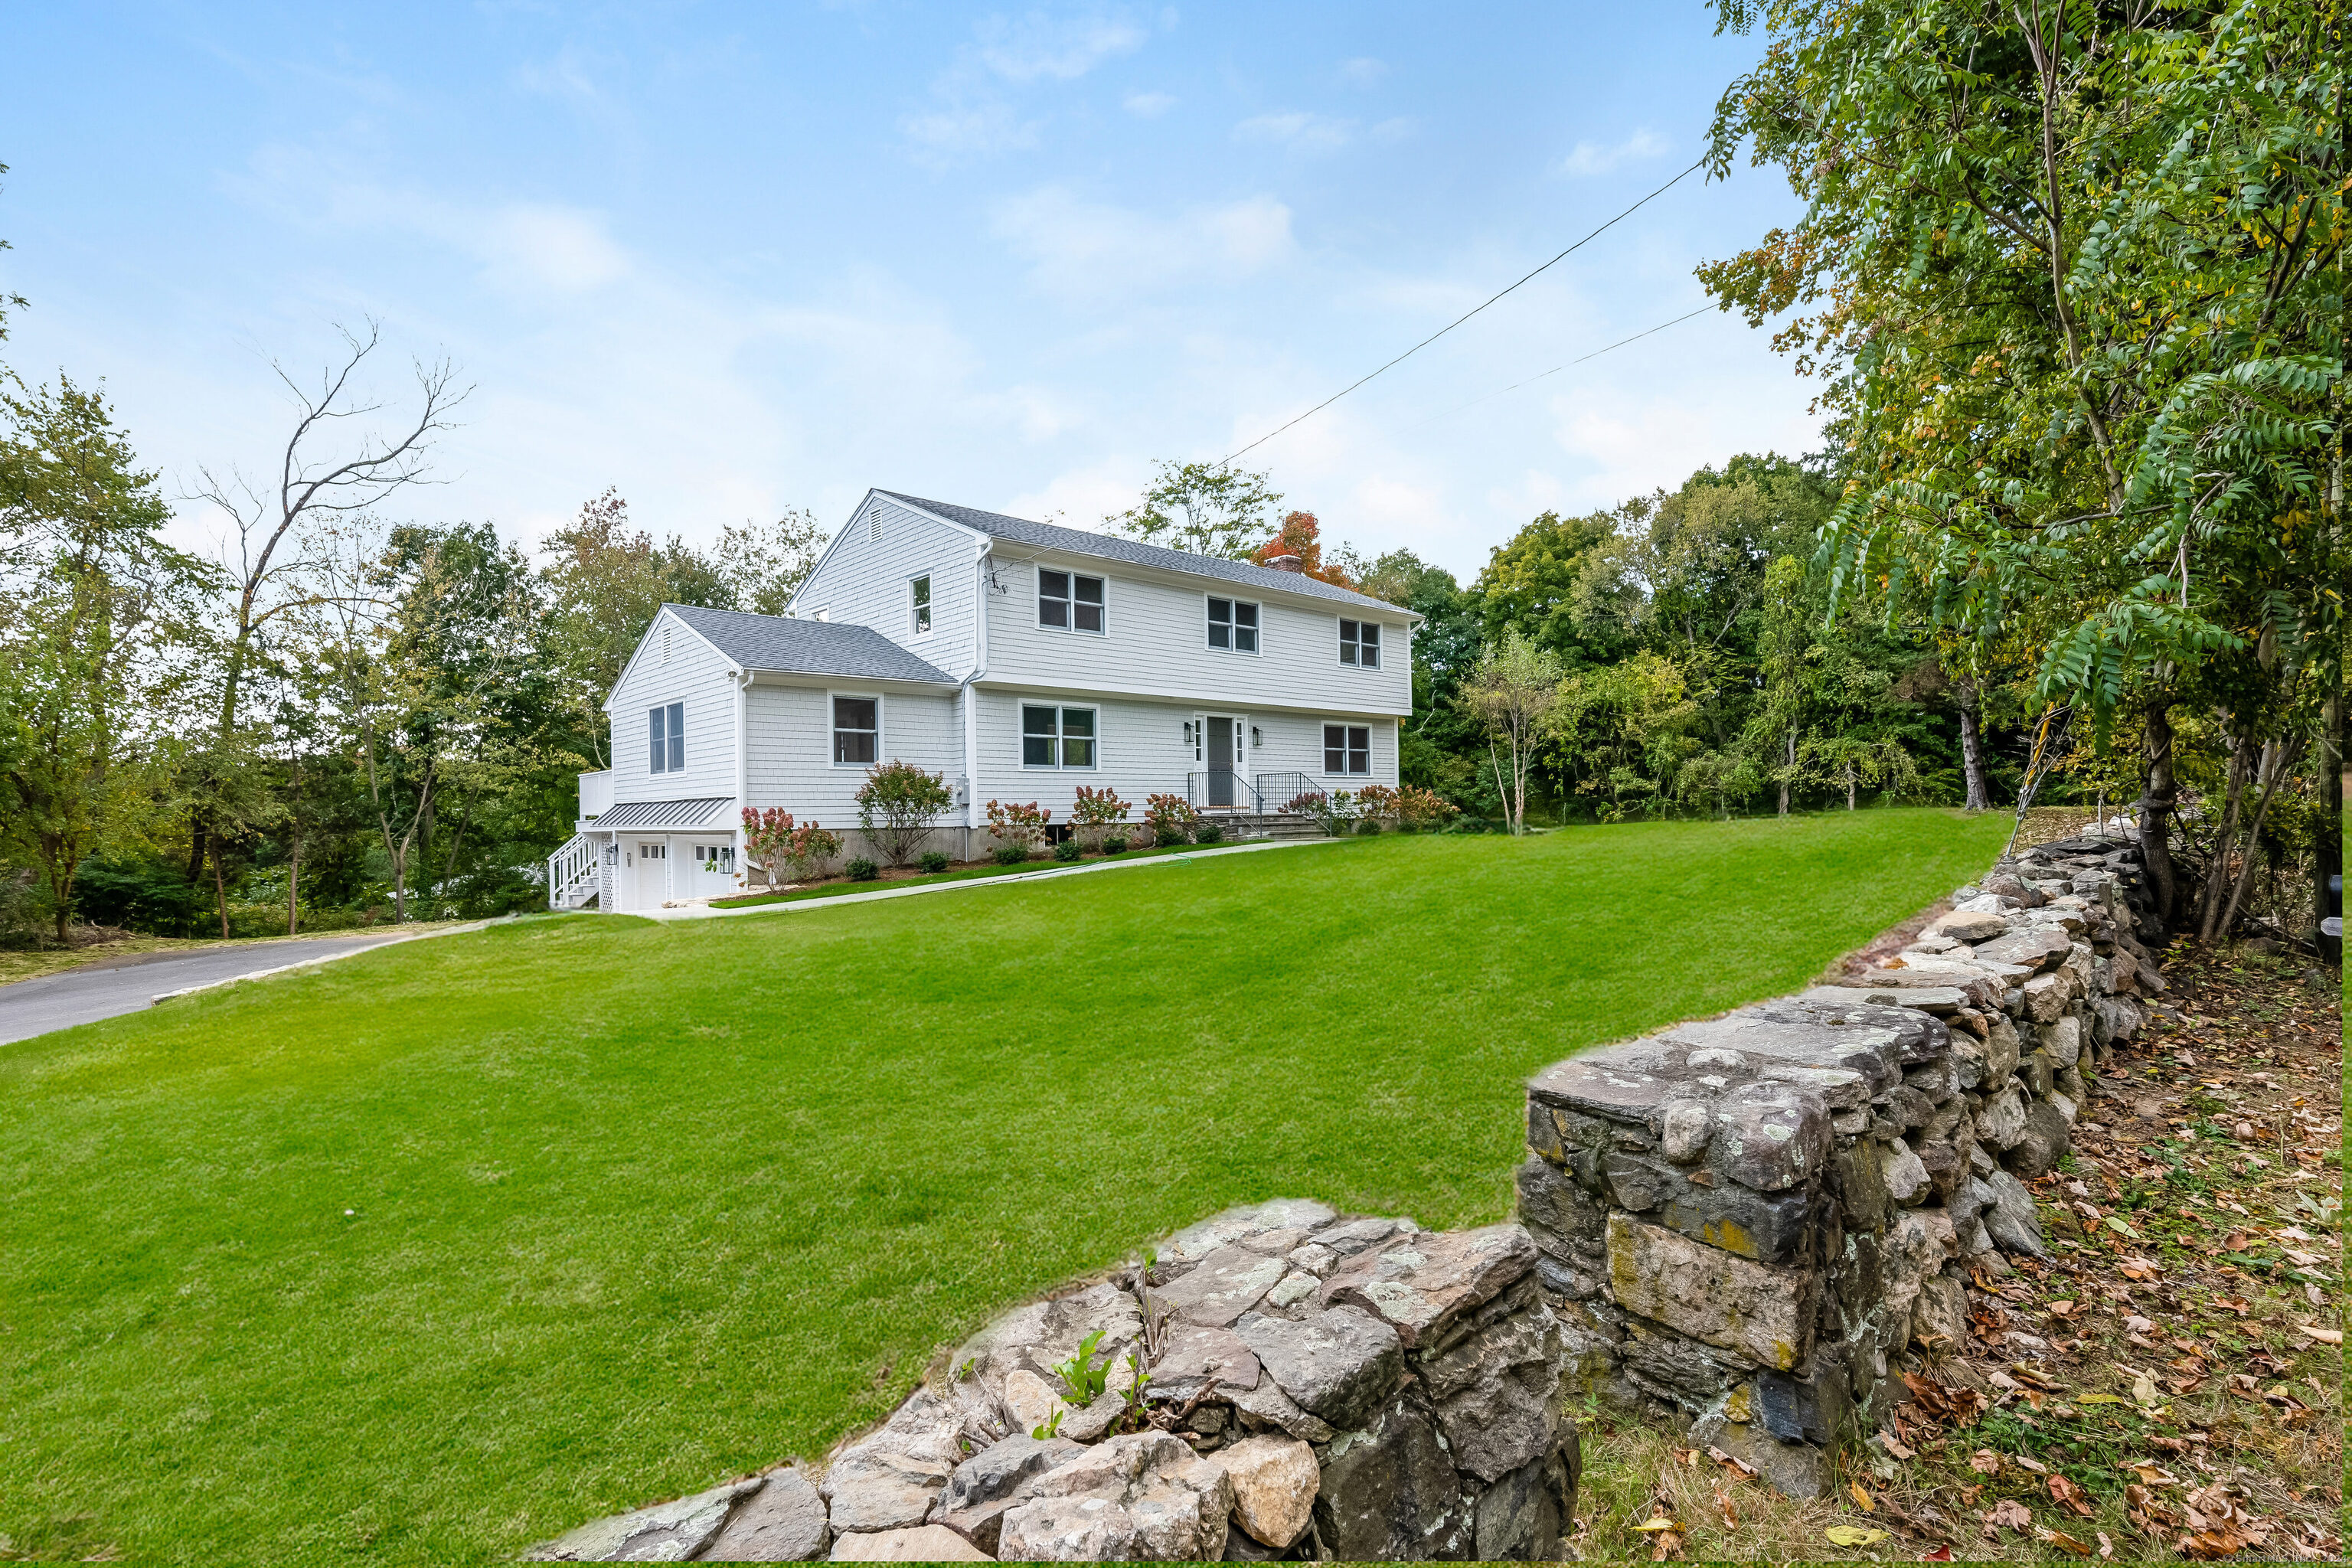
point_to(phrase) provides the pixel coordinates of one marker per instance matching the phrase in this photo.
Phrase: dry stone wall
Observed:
(1744, 1222)
(1740, 1225)
(1314, 1385)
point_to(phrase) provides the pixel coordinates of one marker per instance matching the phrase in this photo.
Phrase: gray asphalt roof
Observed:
(808, 647)
(1080, 542)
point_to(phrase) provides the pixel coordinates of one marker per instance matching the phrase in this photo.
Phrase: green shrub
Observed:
(1115, 845)
(1067, 849)
(862, 870)
(1368, 826)
(934, 860)
(1168, 835)
(1208, 833)
(1009, 854)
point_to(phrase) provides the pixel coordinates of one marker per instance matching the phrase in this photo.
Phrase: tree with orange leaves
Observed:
(1302, 536)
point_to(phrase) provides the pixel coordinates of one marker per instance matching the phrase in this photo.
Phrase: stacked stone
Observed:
(1745, 1222)
(1339, 1387)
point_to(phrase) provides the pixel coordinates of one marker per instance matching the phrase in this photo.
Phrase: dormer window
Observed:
(1069, 602)
(1360, 644)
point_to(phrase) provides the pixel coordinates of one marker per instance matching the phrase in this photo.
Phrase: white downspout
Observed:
(743, 768)
(969, 697)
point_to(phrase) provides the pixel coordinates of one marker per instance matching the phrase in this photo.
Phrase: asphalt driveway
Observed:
(111, 987)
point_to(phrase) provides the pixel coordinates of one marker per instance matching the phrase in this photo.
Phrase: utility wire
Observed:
(1449, 326)
(1555, 369)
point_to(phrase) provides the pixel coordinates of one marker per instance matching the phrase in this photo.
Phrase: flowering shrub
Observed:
(1017, 824)
(1171, 818)
(1378, 803)
(1096, 811)
(784, 850)
(1332, 813)
(897, 805)
(1421, 810)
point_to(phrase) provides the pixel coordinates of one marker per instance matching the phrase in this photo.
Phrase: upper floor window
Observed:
(922, 593)
(856, 729)
(1347, 749)
(1069, 601)
(1360, 644)
(1232, 625)
(668, 727)
(1056, 737)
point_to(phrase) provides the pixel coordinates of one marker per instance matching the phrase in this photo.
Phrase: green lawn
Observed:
(445, 1248)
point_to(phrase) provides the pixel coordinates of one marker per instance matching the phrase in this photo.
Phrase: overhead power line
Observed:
(1465, 315)
(1555, 369)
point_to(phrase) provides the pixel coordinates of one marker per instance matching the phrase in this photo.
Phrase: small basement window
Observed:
(857, 729)
(1347, 749)
(1232, 626)
(667, 727)
(1360, 644)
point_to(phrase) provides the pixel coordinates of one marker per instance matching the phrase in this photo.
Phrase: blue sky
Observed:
(732, 258)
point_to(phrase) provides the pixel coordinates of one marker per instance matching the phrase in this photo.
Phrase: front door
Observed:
(1224, 758)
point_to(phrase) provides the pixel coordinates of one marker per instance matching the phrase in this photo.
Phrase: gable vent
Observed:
(874, 524)
(664, 653)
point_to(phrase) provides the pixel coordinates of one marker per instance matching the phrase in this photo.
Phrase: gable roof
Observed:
(1111, 547)
(791, 647)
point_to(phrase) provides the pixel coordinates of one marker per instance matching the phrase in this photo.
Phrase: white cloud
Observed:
(1149, 105)
(1588, 158)
(950, 135)
(1363, 71)
(558, 248)
(1089, 248)
(1039, 47)
(1632, 443)
(1297, 130)
(1082, 498)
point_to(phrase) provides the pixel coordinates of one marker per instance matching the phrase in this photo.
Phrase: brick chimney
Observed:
(1286, 563)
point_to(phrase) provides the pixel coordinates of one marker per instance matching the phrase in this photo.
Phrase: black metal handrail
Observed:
(1276, 790)
(1200, 788)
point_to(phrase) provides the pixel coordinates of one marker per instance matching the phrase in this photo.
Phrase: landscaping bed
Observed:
(957, 871)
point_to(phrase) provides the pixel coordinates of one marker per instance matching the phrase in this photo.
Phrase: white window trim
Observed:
(1341, 623)
(1257, 604)
(881, 728)
(1323, 750)
(931, 609)
(1021, 722)
(669, 738)
(1037, 601)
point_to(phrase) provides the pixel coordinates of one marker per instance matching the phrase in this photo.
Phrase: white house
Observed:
(1018, 660)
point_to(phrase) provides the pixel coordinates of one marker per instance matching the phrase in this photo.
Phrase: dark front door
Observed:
(1223, 758)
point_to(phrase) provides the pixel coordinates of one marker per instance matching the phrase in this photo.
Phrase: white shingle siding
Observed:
(1141, 749)
(867, 580)
(1157, 639)
(696, 675)
(791, 762)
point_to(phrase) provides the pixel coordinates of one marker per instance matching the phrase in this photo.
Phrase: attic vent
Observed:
(665, 659)
(874, 524)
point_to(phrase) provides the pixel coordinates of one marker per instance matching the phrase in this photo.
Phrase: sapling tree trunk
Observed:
(2156, 804)
(1972, 762)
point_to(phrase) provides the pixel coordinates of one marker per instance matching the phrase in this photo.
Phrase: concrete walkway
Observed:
(111, 987)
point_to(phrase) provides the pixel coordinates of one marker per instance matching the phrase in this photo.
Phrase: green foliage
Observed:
(1009, 854)
(861, 870)
(1082, 1379)
(1206, 508)
(1208, 833)
(1068, 850)
(896, 805)
(933, 861)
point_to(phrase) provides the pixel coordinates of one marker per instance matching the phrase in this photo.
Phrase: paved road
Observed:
(111, 987)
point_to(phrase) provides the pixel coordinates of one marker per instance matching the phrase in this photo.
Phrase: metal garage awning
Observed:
(688, 814)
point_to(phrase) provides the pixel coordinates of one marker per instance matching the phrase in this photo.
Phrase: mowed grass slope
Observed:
(448, 1247)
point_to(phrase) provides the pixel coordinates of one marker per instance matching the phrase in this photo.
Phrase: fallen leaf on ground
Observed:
(1985, 1462)
(2106, 1547)
(2036, 1466)
(2062, 1540)
(2325, 1336)
(1861, 1497)
(1665, 1545)
(1652, 1527)
(1852, 1535)
(1941, 1554)
(1722, 1506)
(1737, 1466)
(1893, 1445)
(2068, 1495)
(2010, 1513)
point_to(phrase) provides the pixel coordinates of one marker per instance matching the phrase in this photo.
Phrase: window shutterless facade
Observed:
(1360, 644)
(1069, 601)
(1347, 749)
(667, 727)
(716, 857)
(856, 730)
(1232, 626)
(922, 606)
(1053, 737)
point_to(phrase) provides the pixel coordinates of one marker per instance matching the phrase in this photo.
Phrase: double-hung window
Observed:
(668, 727)
(1360, 644)
(1232, 626)
(856, 729)
(1069, 602)
(1347, 749)
(1056, 737)
(922, 597)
